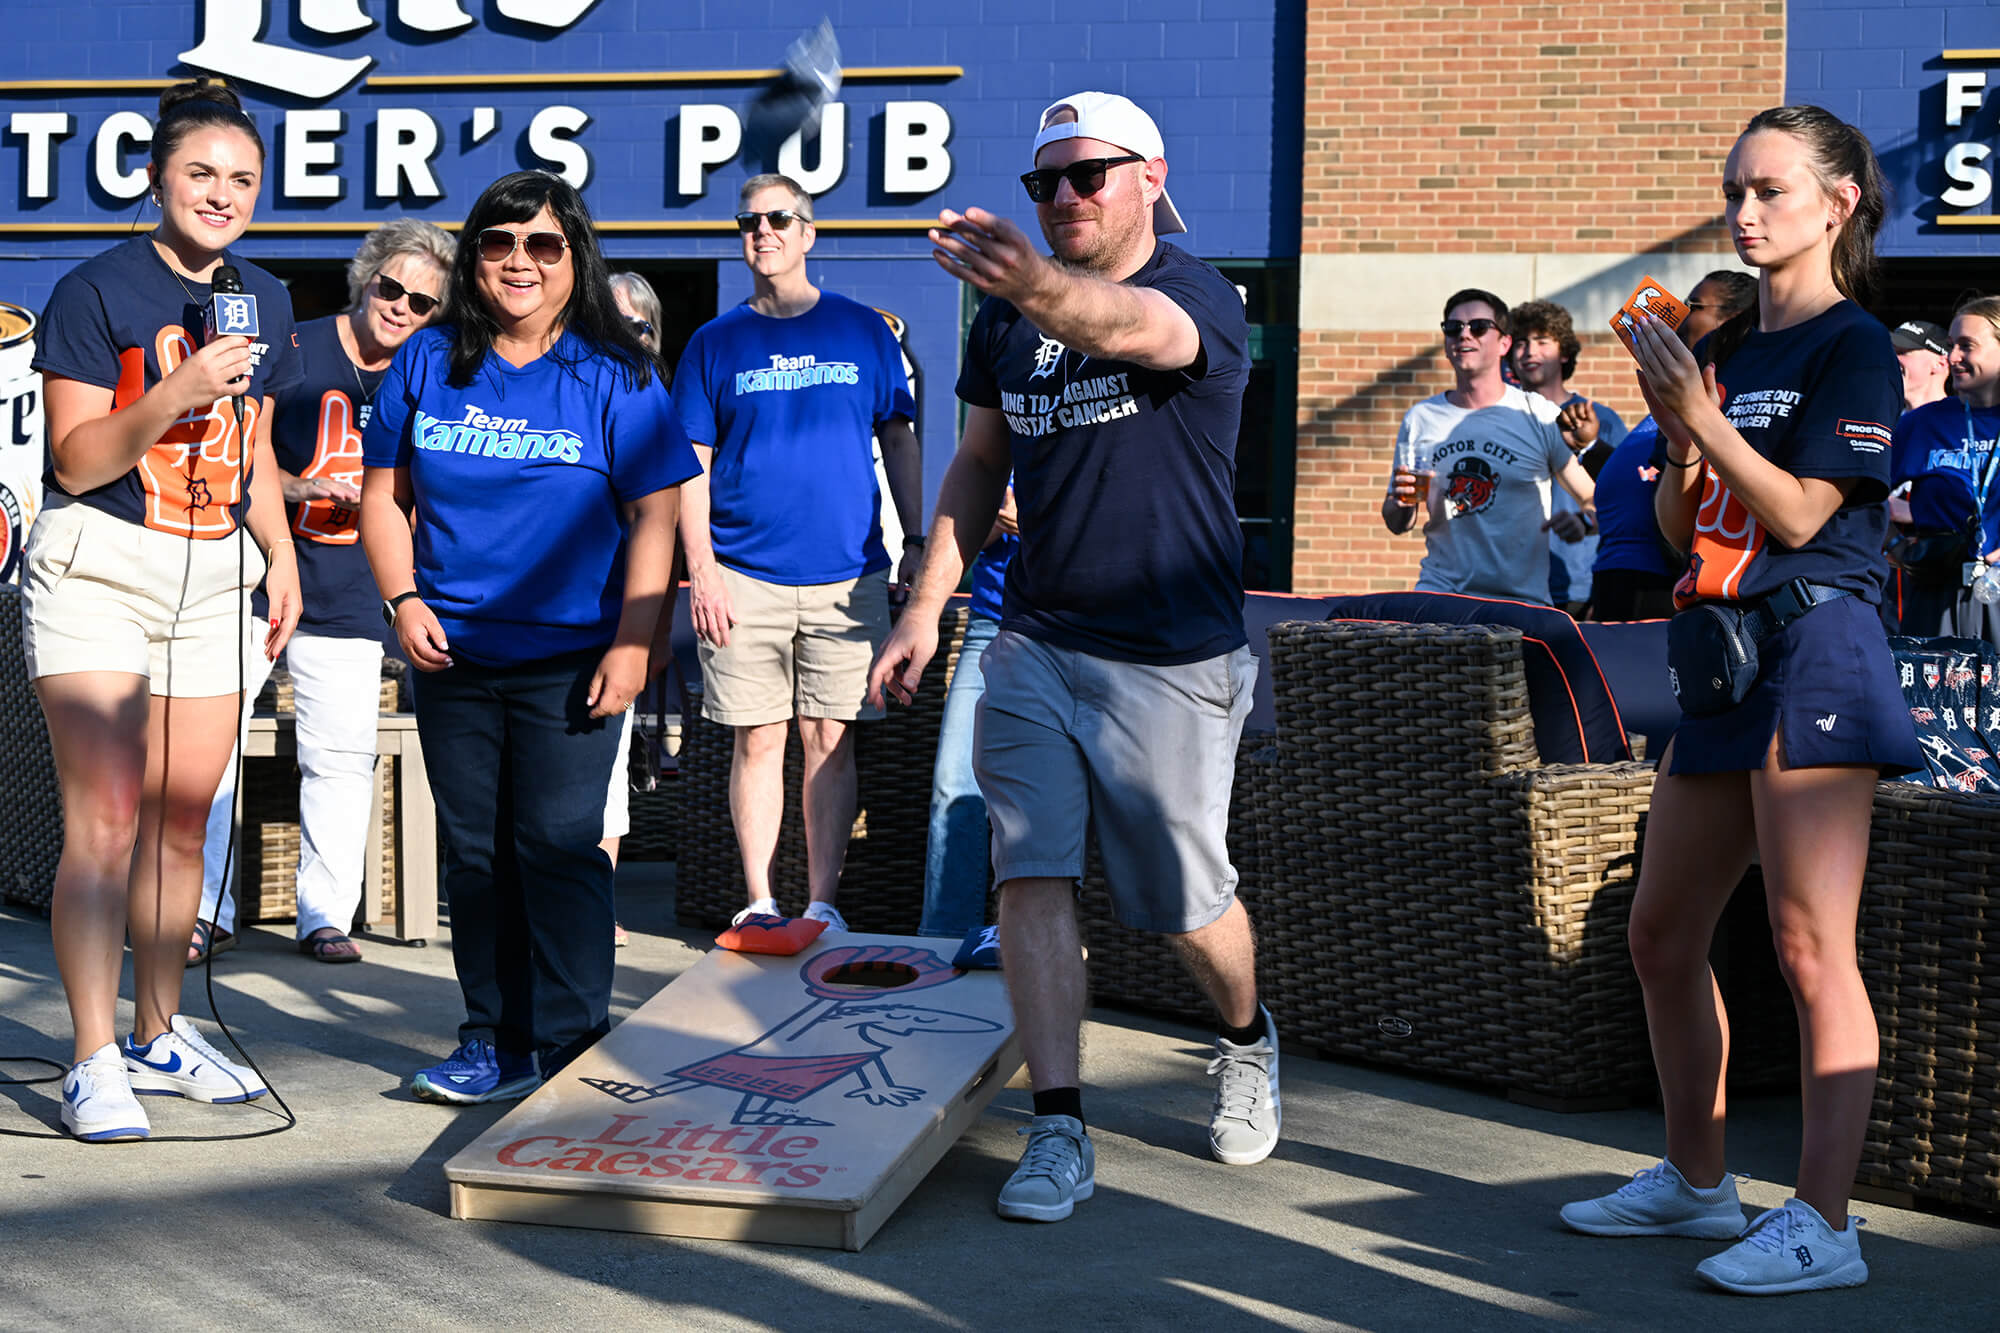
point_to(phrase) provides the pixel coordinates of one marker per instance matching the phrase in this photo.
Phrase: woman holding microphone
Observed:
(138, 577)
(531, 440)
(1777, 430)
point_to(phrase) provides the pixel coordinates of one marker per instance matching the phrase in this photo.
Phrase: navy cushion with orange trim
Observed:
(1576, 719)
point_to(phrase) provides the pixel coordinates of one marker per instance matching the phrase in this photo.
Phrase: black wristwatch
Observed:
(389, 607)
(909, 541)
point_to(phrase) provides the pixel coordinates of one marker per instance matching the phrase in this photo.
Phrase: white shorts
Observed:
(618, 801)
(105, 594)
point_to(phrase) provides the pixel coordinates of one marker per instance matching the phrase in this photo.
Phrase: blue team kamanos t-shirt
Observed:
(1125, 477)
(1943, 449)
(791, 407)
(124, 321)
(316, 433)
(519, 477)
(1819, 399)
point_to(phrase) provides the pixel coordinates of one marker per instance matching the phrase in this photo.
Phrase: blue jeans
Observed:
(957, 867)
(518, 773)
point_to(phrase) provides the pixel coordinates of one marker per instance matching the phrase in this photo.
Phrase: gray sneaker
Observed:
(1058, 1170)
(1658, 1201)
(1243, 1127)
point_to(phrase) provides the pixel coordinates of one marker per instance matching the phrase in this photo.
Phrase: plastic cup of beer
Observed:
(1421, 481)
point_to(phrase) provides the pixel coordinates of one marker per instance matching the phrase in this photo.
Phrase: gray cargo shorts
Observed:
(1148, 752)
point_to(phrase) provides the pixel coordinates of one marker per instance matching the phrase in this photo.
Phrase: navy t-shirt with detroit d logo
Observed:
(1819, 399)
(124, 321)
(791, 407)
(1124, 477)
(316, 434)
(520, 477)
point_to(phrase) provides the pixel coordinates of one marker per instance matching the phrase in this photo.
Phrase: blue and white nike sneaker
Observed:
(97, 1101)
(180, 1063)
(477, 1072)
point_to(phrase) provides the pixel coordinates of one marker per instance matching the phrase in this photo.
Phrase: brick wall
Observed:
(1521, 145)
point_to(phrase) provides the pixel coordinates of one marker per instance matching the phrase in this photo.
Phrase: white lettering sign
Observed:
(40, 130)
(1973, 183)
(914, 160)
(405, 142)
(305, 149)
(121, 132)
(710, 135)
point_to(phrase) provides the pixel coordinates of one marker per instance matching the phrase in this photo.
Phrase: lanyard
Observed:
(1992, 457)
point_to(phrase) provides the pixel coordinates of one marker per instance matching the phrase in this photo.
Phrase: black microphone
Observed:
(232, 312)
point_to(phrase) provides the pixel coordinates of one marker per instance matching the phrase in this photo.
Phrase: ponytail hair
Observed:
(1835, 152)
(197, 104)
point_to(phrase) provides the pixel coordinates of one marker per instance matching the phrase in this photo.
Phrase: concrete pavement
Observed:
(1393, 1203)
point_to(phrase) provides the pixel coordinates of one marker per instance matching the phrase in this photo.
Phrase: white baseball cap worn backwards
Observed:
(1119, 122)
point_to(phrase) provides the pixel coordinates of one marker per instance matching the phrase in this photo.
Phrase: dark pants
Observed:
(518, 771)
(1631, 594)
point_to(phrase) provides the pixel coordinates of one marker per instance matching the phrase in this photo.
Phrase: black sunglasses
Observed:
(1480, 327)
(1085, 177)
(779, 218)
(393, 291)
(642, 327)
(544, 247)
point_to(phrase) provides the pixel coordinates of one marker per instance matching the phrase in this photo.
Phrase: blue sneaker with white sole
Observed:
(477, 1072)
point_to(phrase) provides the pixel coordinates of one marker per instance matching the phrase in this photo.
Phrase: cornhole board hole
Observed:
(796, 1100)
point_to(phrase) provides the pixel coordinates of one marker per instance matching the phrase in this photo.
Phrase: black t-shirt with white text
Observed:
(1819, 399)
(1124, 477)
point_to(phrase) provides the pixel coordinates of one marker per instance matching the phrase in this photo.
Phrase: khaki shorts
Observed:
(1146, 754)
(795, 651)
(104, 594)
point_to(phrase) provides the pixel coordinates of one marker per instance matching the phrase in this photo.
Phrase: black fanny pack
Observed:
(1712, 646)
(1937, 557)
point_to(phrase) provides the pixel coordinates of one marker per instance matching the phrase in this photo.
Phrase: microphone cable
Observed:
(288, 1117)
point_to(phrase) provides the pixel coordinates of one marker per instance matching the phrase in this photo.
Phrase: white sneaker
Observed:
(1788, 1249)
(1659, 1202)
(762, 907)
(827, 912)
(1058, 1170)
(1243, 1127)
(179, 1063)
(97, 1101)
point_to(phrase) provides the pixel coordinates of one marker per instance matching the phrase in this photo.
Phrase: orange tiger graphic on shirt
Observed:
(194, 475)
(336, 457)
(1727, 540)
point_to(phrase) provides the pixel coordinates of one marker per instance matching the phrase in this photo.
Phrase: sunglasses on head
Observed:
(393, 291)
(1480, 327)
(544, 247)
(1085, 177)
(779, 218)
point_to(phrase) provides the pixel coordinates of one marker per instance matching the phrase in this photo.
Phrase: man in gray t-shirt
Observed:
(1489, 507)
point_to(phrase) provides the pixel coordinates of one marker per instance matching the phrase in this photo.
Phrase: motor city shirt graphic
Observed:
(789, 374)
(481, 435)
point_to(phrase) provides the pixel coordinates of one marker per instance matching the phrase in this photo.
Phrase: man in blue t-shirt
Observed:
(784, 398)
(1109, 379)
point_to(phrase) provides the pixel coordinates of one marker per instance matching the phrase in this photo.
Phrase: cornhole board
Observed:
(795, 1100)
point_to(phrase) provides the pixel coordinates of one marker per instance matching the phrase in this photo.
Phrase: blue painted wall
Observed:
(1224, 79)
(1878, 65)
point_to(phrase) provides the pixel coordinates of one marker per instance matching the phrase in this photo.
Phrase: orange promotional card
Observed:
(1650, 297)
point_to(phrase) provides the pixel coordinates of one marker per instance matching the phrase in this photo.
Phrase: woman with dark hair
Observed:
(159, 444)
(1777, 430)
(518, 509)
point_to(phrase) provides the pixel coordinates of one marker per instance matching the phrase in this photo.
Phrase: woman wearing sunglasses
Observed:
(395, 283)
(518, 509)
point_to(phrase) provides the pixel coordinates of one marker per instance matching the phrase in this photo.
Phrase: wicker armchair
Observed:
(883, 882)
(1428, 894)
(1927, 920)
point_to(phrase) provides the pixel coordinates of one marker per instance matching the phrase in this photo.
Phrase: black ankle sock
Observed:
(1060, 1101)
(1249, 1036)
